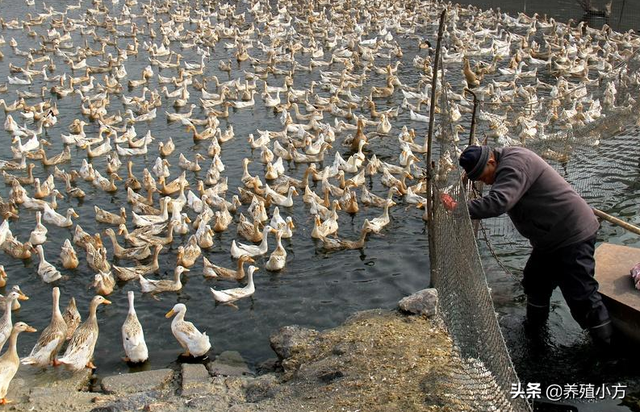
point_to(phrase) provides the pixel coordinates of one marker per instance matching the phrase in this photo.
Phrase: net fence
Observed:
(573, 120)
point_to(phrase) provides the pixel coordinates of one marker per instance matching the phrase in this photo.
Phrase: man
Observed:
(559, 224)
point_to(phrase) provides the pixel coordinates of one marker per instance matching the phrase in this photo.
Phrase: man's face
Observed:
(488, 175)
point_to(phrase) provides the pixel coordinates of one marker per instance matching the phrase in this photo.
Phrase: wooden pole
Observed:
(616, 221)
(432, 115)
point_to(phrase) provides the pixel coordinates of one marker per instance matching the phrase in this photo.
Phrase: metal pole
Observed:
(432, 113)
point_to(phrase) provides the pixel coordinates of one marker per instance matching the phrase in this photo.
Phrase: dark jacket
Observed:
(542, 205)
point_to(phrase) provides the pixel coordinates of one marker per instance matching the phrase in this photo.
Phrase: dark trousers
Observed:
(572, 269)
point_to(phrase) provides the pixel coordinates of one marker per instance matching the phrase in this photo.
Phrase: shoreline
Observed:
(376, 360)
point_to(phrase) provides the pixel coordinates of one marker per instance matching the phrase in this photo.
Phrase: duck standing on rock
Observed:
(83, 342)
(191, 339)
(10, 362)
(52, 337)
(133, 336)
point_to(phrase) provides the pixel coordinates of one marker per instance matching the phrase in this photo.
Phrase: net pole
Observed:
(432, 113)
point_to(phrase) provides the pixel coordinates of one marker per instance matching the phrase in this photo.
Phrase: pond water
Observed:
(316, 289)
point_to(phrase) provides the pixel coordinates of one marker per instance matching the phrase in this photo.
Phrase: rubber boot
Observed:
(537, 315)
(602, 335)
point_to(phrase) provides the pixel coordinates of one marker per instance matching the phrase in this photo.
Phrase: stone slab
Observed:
(29, 379)
(137, 382)
(195, 379)
(229, 363)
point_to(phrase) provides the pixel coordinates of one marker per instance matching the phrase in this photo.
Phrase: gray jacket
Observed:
(542, 205)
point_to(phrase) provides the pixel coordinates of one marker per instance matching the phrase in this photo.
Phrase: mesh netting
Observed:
(567, 119)
(465, 301)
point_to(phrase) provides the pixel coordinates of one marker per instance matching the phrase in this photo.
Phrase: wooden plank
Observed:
(613, 263)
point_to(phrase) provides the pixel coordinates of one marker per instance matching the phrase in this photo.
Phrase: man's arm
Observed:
(506, 191)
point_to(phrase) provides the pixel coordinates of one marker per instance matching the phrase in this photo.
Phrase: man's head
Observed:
(479, 163)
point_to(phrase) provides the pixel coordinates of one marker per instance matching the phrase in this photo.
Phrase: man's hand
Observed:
(448, 201)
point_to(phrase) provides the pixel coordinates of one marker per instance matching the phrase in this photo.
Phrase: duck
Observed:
(132, 181)
(53, 217)
(71, 317)
(5, 321)
(16, 303)
(107, 185)
(167, 148)
(164, 285)
(135, 347)
(223, 219)
(51, 339)
(324, 228)
(280, 200)
(16, 249)
(370, 199)
(39, 234)
(9, 361)
(239, 249)
(340, 244)
(192, 166)
(113, 162)
(68, 255)
(187, 255)
(278, 258)
(136, 253)
(104, 216)
(377, 224)
(193, 342)
(3, 276)
(204, 235)
(161, 167)
(215, 271)
(250, 231)
(129, 273)
(148, 220)
(46, 270)
(104, 283)
(79, 353)
(229, 296)
(97, 258)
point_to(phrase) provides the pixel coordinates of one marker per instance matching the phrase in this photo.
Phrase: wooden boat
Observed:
(613, 266)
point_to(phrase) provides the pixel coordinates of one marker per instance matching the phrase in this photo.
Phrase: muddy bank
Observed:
(378, 360)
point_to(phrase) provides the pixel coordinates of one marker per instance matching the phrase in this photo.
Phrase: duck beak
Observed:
(31, 329)
(169, 314)
(22, 296)
(107, 302)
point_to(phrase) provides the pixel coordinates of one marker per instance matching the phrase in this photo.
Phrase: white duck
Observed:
(240, 249)
(191, 339)
(39, 234)
(148, 220)
(133, 336)
(229, 296)
(278, 258)
(53, 217)
(46, 270)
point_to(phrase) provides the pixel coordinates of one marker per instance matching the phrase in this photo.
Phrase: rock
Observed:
(268, 366)
(137, 382)
(261, 388)
(36, 381)
(424, 302)
(229, 363)
(195, 378)
(291, 339)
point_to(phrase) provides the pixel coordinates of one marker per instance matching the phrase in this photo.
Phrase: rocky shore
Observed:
(378, 360)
